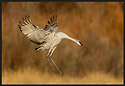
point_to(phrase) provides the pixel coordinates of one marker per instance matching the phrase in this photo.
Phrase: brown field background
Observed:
(99, 26)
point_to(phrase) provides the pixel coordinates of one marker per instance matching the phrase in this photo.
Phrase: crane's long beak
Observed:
(83, 46)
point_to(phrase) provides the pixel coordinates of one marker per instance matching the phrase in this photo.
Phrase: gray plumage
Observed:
(53, 26)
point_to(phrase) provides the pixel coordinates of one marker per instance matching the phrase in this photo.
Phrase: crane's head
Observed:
(80, 43)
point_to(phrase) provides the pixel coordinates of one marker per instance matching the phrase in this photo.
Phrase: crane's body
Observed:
(54, 39)
(47, 38)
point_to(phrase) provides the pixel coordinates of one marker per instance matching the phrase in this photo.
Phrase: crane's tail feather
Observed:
(38, 48)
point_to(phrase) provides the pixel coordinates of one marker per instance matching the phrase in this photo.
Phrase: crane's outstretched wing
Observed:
(52, 27)
(32, 32)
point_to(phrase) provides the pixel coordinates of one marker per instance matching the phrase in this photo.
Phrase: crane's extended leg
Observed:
(53, 61)
(49, 61)
(56, 66)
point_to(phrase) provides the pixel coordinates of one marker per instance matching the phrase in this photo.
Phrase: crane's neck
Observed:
(63, 35)
(72, 39)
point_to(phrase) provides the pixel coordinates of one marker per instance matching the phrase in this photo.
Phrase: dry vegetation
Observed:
(99, 26)
(31, 76)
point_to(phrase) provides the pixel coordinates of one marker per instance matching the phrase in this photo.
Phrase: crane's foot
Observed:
(61, 73)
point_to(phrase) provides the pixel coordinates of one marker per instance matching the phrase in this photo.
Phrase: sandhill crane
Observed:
(47, 38)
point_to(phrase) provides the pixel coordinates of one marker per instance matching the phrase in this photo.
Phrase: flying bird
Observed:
(48, 38)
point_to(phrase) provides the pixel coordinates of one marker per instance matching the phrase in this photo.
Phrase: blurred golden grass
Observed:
(32, 76)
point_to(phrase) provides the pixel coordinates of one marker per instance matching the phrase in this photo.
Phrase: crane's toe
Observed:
(61, 73)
